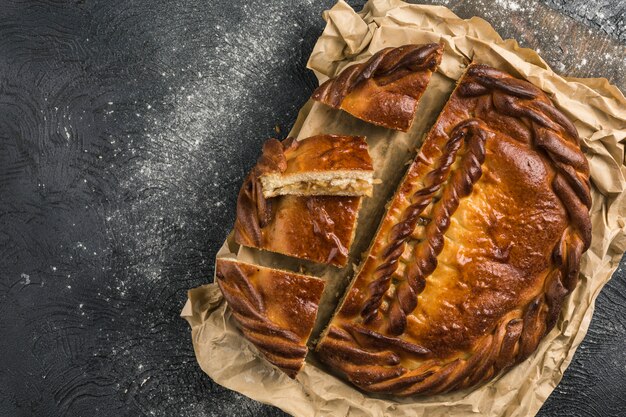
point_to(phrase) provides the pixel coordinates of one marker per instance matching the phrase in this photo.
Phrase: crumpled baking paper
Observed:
(598, 110)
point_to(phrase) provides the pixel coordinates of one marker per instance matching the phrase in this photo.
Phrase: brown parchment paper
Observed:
(598, 110)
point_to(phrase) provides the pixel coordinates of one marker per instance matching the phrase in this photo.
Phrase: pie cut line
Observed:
(477, 251)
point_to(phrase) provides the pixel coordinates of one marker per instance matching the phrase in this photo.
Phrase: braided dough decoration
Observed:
(384, 90)
(275, 310)
(479, 247)
(317, 228)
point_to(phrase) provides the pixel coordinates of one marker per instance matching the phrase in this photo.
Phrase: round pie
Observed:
(477, 249)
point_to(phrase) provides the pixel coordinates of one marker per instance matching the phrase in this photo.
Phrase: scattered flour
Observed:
(182, 158)
(518, 19)
(193, 144)
(509, 5)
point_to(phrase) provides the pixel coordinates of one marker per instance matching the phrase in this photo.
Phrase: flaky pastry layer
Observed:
(319, 165)
(346, 183)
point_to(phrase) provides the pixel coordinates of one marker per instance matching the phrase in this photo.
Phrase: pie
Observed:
(319, 165)
(274, 309)
(384, 90)
(318, 228)
(472, 260)
(477, 251)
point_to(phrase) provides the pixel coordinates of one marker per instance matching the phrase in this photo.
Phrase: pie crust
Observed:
(384, 90)
(315, 228)
(320, 165)
(275, 310)
(477, 251)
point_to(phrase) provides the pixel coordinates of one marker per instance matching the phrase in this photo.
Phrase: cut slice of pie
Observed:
(384, 90)
(316, 228)
(319, 165)
(477, 251)
(274, 309)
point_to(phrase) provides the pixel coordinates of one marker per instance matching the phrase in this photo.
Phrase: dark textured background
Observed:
(125, 130)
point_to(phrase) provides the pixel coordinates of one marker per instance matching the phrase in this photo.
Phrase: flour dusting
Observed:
(182, 161)
(521, 21)
(188, 155)
(221, 90)
(509, 5)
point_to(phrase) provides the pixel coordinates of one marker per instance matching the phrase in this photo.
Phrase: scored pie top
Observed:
(326, 153)
(479, 246)
(385, 89)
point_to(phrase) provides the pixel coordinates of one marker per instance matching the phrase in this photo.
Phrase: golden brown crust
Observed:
(317, 228)
(275, 310)
(319, 165)
(478, 249)
(325, 153)
(384, 90)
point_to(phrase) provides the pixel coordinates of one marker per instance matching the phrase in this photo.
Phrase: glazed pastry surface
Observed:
(316, 228)
(275, 310)
(319, 165)
(477, 251)
(384, 90)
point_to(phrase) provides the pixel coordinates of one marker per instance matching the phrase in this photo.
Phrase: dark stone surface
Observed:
(609, 16)
(125, 130)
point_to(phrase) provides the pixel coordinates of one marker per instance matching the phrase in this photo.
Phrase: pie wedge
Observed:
(319, 165)
(317, 228)
(477, 251)
(384, 90)
(275, 310)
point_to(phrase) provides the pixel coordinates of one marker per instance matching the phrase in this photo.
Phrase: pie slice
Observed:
(275, 310)
(316, 228)
(480, 245)
(319, 165)
(384, 90)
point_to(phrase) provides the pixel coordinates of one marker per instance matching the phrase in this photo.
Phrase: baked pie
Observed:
(470, 265)
(319, 165)
(318, 228)
(384, 90)
(274, 309)
(477, 251)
